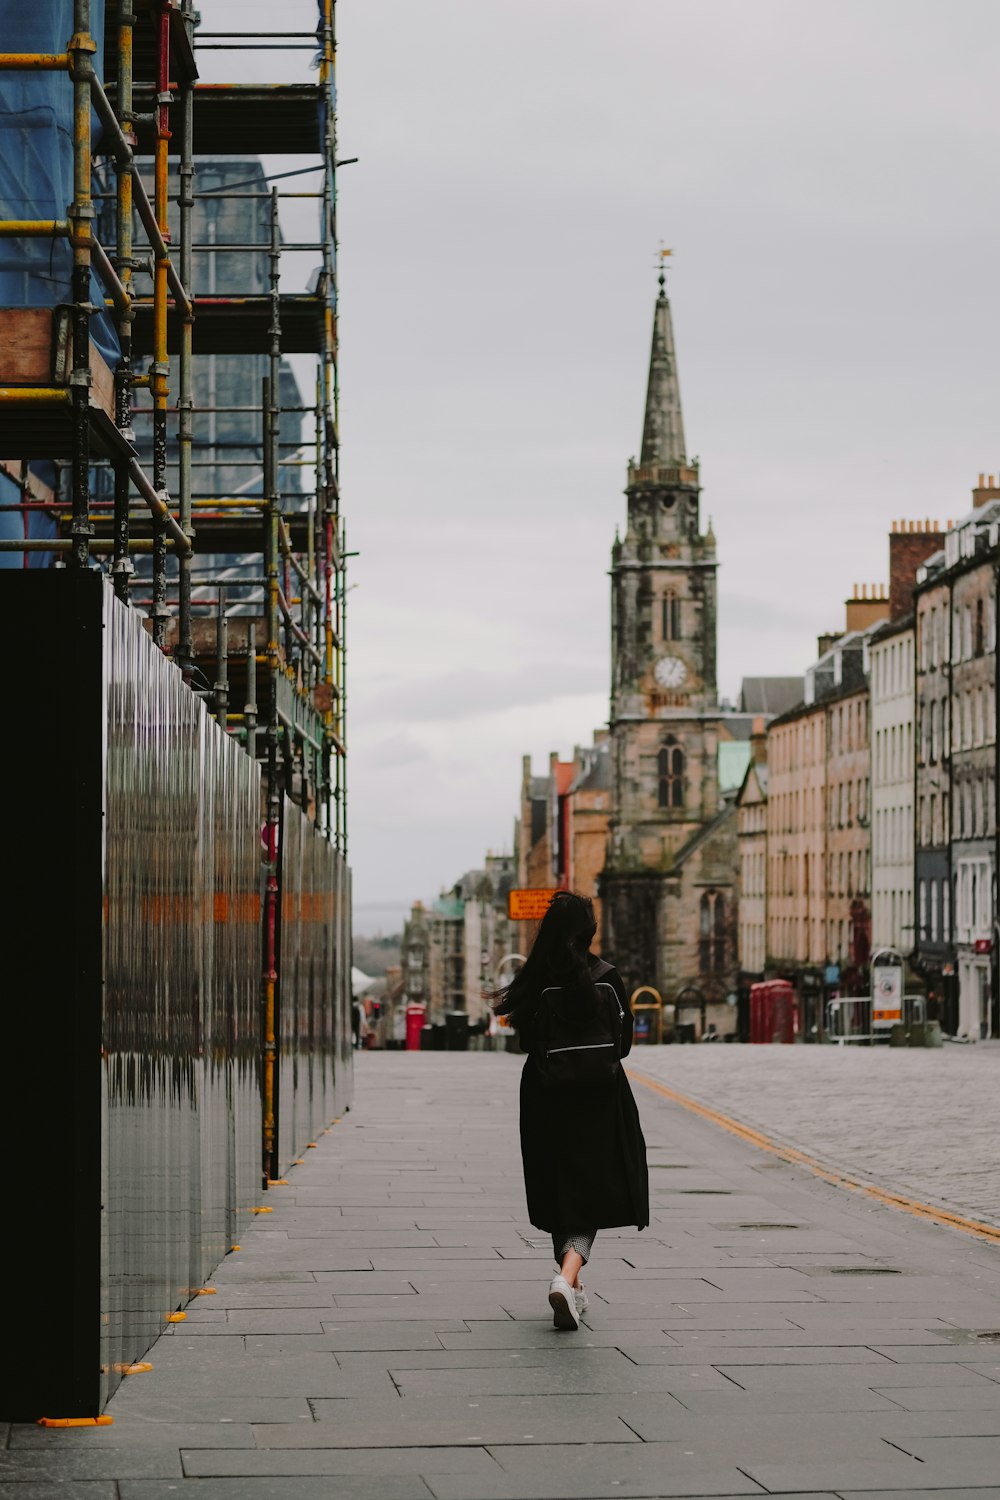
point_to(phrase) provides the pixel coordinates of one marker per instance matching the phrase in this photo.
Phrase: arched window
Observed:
(671, 774)
(671, 616)
(713, 932)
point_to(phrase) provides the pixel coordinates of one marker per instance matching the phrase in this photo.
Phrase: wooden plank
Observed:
(26, 355)
(25, 345)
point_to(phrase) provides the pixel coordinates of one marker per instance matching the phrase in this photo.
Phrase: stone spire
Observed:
(663, 427)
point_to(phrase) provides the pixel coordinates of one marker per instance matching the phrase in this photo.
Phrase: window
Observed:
(671, 616)
(966, 632)
(980, 824)
(934, 912)
(713, 932)
(923, 908)
(671, 774)
(945, 912)
(980, 634)
(935, 731)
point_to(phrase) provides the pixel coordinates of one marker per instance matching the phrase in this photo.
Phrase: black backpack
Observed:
(572, 1053)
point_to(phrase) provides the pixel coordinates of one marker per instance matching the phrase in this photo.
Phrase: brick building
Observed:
(561, 834)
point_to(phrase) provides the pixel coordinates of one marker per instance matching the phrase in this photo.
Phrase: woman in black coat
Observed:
(581, 1142)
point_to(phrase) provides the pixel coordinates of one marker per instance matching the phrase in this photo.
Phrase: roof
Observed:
(733, 759)
(758, 770)
(595, 771)
(770, 695)
(663, 423)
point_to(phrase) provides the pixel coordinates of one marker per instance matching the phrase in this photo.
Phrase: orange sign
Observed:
(529, 905)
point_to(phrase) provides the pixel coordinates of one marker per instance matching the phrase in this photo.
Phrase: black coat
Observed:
(583, 1150)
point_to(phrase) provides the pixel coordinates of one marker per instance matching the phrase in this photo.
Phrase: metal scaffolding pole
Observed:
(81, 51)
(160, 368)
(185, 399)
(121, 567)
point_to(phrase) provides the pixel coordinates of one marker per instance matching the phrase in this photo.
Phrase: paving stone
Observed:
(371, 1461)
(881, 1376)
(448, 1419)
(72, 1489)
(362, 1487)
(571, 1377)
(139, 1432)
(62, 1465)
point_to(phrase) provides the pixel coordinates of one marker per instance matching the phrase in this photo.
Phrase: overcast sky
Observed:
(826, 175)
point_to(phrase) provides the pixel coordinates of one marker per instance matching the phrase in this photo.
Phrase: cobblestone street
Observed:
(384, 1333)
(925, 1122)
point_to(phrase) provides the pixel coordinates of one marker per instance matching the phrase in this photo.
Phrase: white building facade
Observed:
(891, 662)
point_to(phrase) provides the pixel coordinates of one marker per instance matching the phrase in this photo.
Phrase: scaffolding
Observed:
(264, 641)
(68, 407)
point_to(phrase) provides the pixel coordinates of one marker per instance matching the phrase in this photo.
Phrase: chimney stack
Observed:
(910, 545)
(986, 490)
(758, 742)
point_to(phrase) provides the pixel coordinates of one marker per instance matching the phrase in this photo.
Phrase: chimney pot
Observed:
(981, 478)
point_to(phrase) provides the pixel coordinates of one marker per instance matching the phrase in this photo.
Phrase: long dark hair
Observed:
(559, 956)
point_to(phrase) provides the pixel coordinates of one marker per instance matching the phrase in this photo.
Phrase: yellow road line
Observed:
(799, 1158)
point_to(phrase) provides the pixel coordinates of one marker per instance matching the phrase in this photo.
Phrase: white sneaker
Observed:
(581, 1298)
(562, 1300)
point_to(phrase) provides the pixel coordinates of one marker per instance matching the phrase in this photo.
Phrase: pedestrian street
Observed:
(384, 1333)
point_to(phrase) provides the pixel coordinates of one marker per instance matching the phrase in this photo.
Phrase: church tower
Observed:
(664, 712)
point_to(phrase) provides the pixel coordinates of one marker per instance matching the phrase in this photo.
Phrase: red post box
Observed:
(415, 1016)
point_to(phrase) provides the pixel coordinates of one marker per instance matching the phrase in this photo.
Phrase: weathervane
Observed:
(663, 256)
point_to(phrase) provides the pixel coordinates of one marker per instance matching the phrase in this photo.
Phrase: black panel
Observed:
(51, 1360)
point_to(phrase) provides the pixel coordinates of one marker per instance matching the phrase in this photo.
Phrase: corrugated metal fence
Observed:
(135, 925)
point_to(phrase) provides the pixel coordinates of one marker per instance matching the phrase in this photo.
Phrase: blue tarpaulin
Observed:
(36, 182)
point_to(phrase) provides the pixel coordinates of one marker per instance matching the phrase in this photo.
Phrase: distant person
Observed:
(582, 1146)
(357, 1012)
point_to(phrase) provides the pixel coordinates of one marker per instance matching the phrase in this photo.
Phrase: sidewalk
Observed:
(384, 1333)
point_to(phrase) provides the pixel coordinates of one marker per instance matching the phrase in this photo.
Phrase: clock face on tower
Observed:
(670, 672)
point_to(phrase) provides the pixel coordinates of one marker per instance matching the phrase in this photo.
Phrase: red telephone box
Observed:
(772, 1012)
(415, 1016)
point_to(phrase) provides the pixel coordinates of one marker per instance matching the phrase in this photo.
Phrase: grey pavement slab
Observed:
(73, 1489)
(385, 1332)
(361, 1487)
(206, 1462)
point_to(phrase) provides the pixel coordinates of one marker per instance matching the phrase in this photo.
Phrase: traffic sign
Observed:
(529, 905)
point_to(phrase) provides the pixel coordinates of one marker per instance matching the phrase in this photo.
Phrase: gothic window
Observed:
(713, 932)
(670, 607)
(671, 774)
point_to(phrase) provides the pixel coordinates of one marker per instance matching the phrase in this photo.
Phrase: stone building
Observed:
(433, 957)
(669, 882)
(956, 771)
(751, 833)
